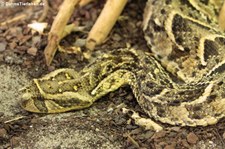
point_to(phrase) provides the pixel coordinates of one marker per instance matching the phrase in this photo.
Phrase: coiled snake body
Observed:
(182, 84)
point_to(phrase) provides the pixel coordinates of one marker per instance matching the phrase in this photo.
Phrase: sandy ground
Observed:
(12, 80)
(54, 131)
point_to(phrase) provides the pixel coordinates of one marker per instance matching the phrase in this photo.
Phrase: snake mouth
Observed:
(39, 104)
(51, 106)
(29, 100)
(29, 105)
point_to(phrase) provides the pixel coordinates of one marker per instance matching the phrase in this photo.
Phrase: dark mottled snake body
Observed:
(182, 84)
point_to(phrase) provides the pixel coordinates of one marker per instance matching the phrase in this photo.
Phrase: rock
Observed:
(136, 131)
(159, 134)
(2, 46)
(80, 42)
(3, 133)
(36, 40)
(32, 51)
(169, 146)
(12, 45)
(176, 129)
(15, 141)
(117, 37)
(192, 138)
(149, 134)
(185, 143)
(34, 120)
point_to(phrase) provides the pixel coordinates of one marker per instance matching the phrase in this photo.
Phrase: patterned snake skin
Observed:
(181, 83)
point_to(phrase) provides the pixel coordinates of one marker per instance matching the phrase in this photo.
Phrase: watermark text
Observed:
(13, 4)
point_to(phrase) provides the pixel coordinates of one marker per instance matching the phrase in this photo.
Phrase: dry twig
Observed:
(17, 18)
(84, 2)
(45, 11)
(131, 139)
(58, 26)
(105, 22)
(14, 119)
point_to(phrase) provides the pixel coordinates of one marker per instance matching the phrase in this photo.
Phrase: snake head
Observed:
(44, 96)
(31, 100)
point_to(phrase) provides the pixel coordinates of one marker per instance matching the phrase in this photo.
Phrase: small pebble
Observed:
(97, 130)
(110, 110)
(149, 134)
(169, 147)
(15, 141)
(2, 46)
(185, 143)
(80, 43)
(176, 129)
(51, 68)
(12, 45)
(34, 121)
(3, 133)
(32, 51)
(192, 138)
(159, 134)
(136, 131)
(117, 37)
(36, 40)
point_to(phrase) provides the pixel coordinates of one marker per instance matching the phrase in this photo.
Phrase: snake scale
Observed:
(180, 83)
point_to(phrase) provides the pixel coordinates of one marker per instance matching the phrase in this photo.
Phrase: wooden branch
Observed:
(16, 18)
(222, 17)
(56, 32)
(45, 11)
(105, 22)
(84, 2)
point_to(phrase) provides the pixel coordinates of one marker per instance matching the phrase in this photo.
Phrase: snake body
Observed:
(181, 83)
